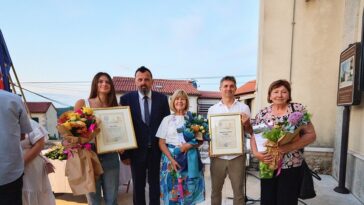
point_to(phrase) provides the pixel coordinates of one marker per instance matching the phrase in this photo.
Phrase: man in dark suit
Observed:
(148, 108)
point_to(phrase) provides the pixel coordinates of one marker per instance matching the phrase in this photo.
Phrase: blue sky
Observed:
(68, 40)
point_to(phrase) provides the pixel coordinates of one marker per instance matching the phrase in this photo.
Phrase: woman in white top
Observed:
(36, 186)
(174, 176)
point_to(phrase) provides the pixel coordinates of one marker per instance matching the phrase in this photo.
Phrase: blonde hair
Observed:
(179, 93)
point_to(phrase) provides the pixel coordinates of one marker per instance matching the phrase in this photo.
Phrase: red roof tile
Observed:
(210, 95)
(126, 84)
(248, 87)
(38, 107)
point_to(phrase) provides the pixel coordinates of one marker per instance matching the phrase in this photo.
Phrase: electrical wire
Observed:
(42, 96)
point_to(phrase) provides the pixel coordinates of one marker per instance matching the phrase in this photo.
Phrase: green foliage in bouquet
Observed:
(274, 134)
(56, 152)
(264, 171)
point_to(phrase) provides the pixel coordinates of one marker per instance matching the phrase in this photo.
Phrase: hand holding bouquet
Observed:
(195, 129)
(79, 126)
(280, 134)
(82, 166)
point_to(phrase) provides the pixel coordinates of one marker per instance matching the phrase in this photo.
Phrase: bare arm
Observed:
(164, 149)
(34, 151)
(79, 104)
(186, 146)
(309, 136)
(261, 156)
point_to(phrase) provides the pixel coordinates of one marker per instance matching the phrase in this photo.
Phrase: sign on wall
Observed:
(348, 85)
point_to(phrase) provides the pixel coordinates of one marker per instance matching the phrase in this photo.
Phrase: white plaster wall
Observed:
(51, 121)
(315, 54)
(352, 31)
(42, 119)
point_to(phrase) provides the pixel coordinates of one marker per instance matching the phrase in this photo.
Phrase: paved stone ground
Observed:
(324, 189)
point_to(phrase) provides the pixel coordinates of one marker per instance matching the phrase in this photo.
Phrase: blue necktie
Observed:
(146, 111)
(147, 118)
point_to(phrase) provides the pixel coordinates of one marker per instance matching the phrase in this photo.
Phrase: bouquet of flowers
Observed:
(77, 127)
(82, 166)
(195, 129)
(280, 134)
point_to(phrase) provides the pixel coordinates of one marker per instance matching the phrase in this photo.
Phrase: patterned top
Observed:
(293, 158)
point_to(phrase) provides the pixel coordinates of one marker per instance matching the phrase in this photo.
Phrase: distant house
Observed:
(206, 100)
(246, 94)
(126, 84)
(46, 115)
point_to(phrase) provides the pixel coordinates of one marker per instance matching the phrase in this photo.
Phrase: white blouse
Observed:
(32, 137)
(168, 130)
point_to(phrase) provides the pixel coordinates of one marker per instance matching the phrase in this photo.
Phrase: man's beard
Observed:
(144, 90)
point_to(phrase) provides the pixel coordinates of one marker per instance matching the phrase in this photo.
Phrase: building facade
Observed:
(301, 41)
(126, 84)
(206, 100)
(46, 115)
(246, 94)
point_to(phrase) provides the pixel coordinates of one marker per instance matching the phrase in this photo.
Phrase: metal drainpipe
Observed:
(292, 38)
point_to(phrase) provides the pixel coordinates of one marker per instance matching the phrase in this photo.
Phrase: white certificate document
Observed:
(116, 129)
(260, 141)
(226, 134)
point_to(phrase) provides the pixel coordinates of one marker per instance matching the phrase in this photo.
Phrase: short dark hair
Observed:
(277, 84)
(228, 78)
(143, 69)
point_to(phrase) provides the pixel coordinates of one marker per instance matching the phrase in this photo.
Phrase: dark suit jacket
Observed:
(160, 109)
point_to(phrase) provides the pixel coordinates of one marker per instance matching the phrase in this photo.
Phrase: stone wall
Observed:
(320, 162)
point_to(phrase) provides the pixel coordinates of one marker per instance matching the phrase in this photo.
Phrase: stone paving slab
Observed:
(324, 189)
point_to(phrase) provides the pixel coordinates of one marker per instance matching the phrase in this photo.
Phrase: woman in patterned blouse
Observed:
(284, 188)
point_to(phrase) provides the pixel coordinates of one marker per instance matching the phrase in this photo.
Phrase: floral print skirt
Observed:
(170, 181)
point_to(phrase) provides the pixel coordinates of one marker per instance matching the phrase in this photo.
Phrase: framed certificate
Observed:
(116, 129)
(226, 134)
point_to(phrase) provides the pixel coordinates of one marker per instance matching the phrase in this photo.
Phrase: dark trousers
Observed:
(11, 193)
(283, 189)
(144, 168)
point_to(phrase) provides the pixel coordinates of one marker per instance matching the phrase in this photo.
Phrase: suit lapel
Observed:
(138, 113)
(154, 107)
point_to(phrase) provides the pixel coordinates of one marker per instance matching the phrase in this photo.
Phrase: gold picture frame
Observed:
(116, 129)
(226, 132)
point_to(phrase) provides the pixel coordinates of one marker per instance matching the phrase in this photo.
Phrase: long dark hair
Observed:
(111, 96)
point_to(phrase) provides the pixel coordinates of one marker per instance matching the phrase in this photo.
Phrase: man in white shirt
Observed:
(232, 165)
(14, 123)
